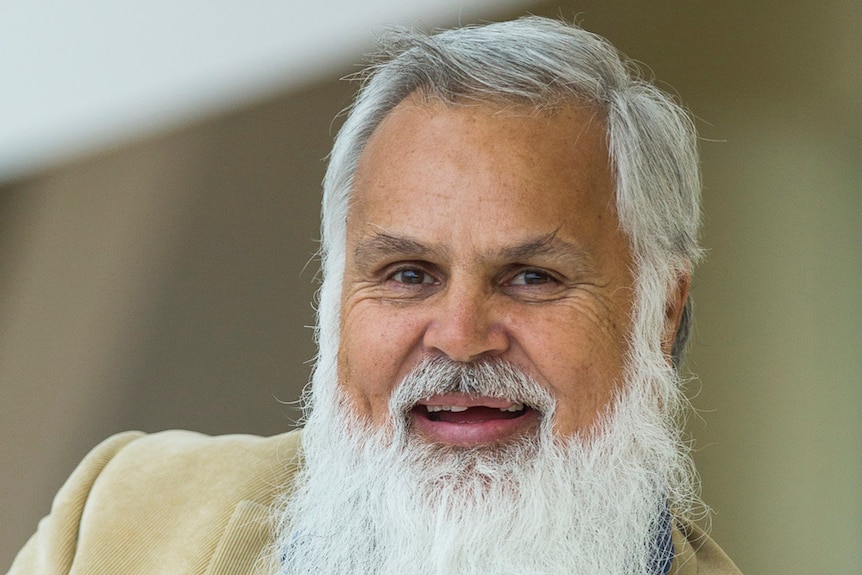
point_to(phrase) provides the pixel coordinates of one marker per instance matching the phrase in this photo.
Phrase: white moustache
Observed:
(491, 378)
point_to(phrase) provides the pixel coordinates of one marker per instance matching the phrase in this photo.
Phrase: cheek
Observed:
(374, 355)
(581, 362)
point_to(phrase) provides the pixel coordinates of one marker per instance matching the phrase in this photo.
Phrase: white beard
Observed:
(384, 501)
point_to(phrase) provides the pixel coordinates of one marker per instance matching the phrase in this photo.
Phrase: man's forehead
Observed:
(507, 183)
(577, 129)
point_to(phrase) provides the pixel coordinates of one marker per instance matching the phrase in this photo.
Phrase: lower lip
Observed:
(476, 433)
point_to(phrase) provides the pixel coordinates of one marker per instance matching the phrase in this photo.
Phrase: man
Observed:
(510, 222)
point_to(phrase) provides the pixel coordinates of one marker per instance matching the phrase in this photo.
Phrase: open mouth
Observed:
(459, 419)
(467, 415)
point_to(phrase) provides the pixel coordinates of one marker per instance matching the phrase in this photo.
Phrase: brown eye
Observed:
(531, 277)
(412, 276)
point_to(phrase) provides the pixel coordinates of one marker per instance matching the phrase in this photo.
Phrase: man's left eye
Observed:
(531, 277)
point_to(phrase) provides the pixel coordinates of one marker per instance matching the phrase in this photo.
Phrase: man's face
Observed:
(481, 232)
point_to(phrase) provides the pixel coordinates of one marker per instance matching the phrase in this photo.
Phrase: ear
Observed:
(674, 310)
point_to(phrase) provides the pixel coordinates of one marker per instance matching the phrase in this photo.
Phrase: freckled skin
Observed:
(481, 231)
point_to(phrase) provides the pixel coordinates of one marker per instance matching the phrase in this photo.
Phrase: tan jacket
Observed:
(181, 502)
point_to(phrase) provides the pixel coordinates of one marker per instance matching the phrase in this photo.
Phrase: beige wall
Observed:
(164, 284)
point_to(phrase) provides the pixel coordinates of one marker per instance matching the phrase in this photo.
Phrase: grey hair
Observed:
(541, 63)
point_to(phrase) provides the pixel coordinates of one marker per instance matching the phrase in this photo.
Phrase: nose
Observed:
(466, 325)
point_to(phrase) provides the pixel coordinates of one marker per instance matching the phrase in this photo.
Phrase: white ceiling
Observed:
(80, 75)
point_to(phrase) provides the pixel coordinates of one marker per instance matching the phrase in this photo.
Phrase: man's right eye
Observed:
(412, 276)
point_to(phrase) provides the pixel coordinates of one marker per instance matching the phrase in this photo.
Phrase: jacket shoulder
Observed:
(247, 466)
(136, 492)
(697, 553)
(52, 548)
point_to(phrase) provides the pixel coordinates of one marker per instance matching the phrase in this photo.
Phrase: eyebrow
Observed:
(382, 245)
(548, 246)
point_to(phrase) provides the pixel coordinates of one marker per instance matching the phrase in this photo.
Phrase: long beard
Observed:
(385, 501)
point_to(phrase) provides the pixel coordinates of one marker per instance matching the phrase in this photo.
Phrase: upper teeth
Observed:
(433, 408)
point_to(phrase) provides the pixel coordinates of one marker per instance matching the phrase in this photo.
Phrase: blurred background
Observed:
(160, 168)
